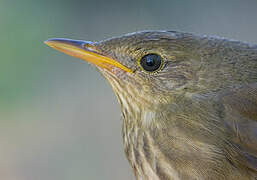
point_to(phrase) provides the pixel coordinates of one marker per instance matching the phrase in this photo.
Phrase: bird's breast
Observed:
(144, 156)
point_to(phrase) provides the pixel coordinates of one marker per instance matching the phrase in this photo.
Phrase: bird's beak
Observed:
(87, 51)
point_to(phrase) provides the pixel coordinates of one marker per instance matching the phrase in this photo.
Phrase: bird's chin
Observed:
(113, 72)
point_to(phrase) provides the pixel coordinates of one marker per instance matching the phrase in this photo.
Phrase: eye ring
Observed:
(151, 63)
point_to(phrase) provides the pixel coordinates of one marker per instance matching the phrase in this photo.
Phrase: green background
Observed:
(59, 119)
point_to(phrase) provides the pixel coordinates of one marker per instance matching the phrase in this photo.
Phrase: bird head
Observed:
(144, 68)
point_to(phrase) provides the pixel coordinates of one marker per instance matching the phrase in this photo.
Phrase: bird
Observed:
(188, 102)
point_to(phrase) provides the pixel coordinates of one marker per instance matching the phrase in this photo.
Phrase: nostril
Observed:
(90, 46)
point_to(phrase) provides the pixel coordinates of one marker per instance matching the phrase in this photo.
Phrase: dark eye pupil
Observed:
(151, 62)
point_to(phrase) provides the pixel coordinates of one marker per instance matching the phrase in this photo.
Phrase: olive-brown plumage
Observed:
(189, 104)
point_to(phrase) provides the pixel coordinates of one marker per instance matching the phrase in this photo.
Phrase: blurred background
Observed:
(59, 119)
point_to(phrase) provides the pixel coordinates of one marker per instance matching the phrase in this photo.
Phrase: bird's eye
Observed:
(151, 62)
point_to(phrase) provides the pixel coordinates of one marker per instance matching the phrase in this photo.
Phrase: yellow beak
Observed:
(87, 51)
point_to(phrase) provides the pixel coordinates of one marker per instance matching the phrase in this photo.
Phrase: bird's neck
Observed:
(139, 143)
